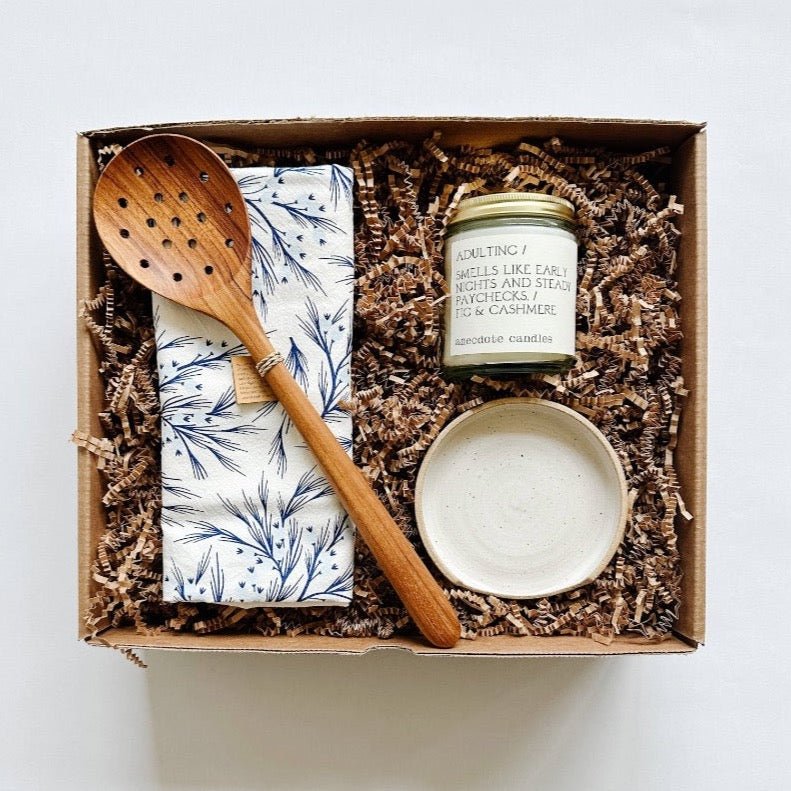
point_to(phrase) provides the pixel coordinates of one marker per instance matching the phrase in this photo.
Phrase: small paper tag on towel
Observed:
(250, 388)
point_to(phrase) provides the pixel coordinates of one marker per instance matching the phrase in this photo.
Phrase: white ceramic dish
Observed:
(521, 498)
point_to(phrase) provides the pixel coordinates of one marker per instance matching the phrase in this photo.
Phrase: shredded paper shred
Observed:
(627, 381)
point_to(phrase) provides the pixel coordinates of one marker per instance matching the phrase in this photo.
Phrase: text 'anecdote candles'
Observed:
(521, 498)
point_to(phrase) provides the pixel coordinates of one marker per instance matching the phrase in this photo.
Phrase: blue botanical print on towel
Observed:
(247, 516)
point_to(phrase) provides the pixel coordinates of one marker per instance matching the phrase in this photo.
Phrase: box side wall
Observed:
(90, 516)
(500, 646)
(626, 134)
(690, 171)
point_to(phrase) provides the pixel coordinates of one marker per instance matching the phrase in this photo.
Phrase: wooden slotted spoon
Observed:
(171, 215)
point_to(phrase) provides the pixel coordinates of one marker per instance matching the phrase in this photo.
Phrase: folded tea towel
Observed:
(247, 517)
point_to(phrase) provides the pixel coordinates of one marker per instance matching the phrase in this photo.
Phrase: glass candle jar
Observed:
(511, 268)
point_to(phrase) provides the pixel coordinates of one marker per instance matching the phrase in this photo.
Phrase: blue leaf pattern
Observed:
(340, 184)
(333, 343)
(247, 516)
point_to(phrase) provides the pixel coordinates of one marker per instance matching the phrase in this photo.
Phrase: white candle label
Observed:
(512, 291)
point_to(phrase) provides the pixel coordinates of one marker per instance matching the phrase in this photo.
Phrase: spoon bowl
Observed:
(172, 216)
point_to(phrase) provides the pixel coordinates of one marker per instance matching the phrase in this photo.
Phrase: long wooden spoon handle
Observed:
(418, 590)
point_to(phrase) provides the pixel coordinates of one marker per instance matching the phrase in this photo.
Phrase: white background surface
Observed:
(77, 717)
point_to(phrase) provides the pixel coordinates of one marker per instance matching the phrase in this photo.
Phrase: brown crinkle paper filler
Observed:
(627, 381)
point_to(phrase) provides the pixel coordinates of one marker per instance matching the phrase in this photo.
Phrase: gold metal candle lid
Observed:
(514, 204)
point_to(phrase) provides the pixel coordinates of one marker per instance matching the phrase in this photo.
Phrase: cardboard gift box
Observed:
(688, 151)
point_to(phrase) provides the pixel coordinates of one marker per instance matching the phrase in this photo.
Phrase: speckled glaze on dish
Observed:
(521, 498)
